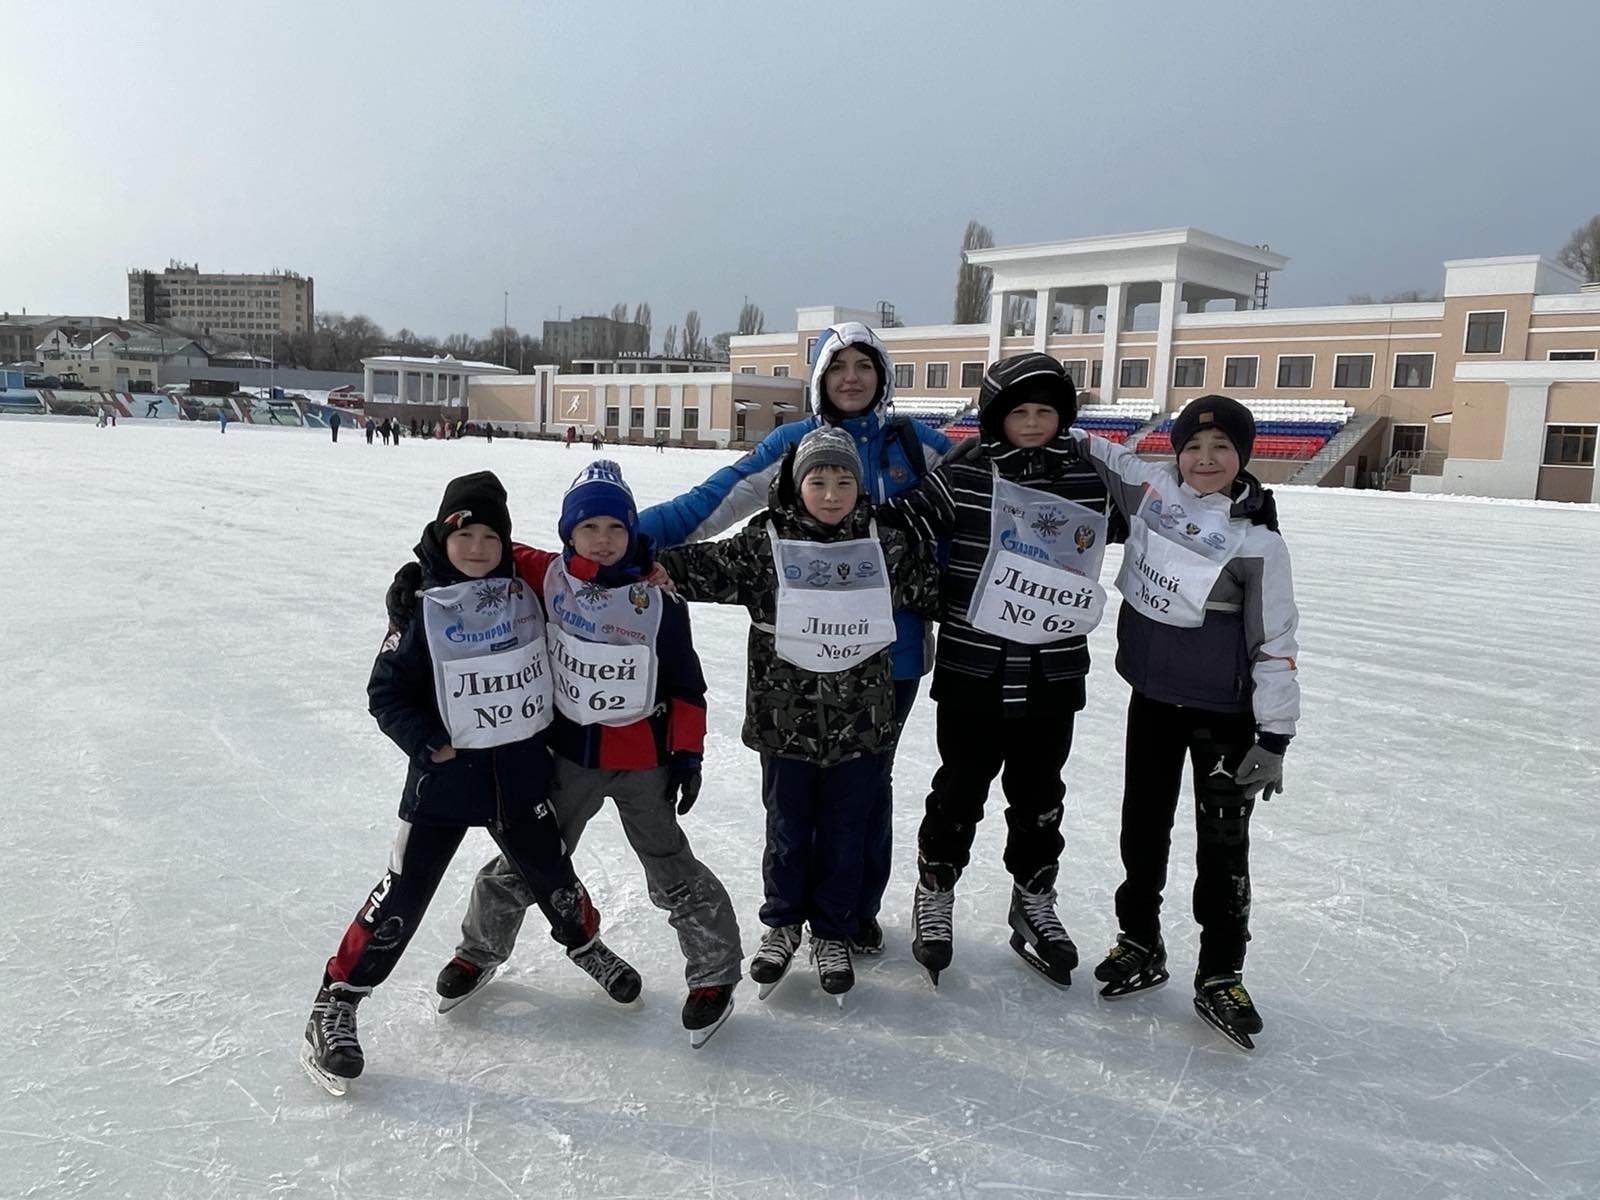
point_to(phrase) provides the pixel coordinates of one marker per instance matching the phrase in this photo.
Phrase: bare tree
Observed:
(972, 282)
(751, 320)
(641, 316)
(619, 313)
(691, 334)
(669, 342)
(1020, 315)
(1582, 251)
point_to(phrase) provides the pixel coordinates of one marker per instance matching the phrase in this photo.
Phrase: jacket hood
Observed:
(829, 344)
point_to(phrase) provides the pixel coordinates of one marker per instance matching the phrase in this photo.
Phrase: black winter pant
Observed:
(817, 825)
(879, 862)
(376, 939)
(976, 743)
(1159, 737)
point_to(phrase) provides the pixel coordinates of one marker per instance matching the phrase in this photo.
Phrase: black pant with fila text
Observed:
(1159, 737)
(386, 922)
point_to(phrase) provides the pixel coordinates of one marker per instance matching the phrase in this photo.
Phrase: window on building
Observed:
(1408, 439)
(811, 350)
(1294, 370)
(691, 418)
(636, 418)
(1486, 332)
(1413, 370)
(1095, 374)
(747, 370)
(938, 375)
(1240, 372)
(905, 375)
(1571, 356)
(738, 427)
(780, 372)
(971, 374)
(1188, 372)
(1077, 370)
(1134, 373)
(1352, 371)
(663, 418)
(1569, 445)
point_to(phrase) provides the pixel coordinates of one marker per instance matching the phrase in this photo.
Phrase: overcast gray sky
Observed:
(420, 159)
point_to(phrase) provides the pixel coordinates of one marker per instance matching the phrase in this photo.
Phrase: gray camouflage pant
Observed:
(696, 903)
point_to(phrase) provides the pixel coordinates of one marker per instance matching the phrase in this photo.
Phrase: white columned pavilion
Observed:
(437, 382)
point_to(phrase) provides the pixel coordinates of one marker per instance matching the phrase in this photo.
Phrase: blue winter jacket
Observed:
(740, 491)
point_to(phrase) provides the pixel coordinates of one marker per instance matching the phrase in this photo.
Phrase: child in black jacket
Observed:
(464, 690)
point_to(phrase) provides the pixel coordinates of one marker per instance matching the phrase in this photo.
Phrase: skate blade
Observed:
(1120, 991)
(766, 989)
(699, 1037)
(334, 1085)
(446, 1004)
(1239, 1039)
(1026, 953)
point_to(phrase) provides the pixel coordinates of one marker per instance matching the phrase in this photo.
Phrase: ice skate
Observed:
(1039, 938)
(834, 969)
(608, 969)
(932, 913)
(705, 1010)
(460, 981)
(330, 1052)
(1223, 1004)
(868, 939)
(1130, 967)
(772, 960)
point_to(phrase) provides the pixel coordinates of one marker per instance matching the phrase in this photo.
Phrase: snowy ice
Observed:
(196, 802)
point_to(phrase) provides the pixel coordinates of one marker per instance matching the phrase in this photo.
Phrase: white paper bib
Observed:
(1040, 581)
(1177, 548)
(834, 603)
(602, 648)
(490, 667)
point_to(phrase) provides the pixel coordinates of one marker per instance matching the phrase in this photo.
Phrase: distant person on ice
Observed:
(822, 585)
(333, 424)
(1206, 639)
(477, 632)
(640, 745)
(151, 407)
(222, 420)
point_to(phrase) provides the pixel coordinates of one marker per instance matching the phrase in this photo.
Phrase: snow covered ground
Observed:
(196, 802)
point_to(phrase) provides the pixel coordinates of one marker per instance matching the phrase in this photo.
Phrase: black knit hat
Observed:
(1024, 379)
(1216, 412)
(476, 499)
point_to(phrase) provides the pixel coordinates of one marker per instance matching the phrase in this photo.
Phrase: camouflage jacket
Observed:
(790, 712)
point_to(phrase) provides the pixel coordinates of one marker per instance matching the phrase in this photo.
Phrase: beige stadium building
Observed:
(1493, 390)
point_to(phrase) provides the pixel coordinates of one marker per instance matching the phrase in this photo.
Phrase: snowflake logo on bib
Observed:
(818, 573)
(591, 593)
(490, 597)
(1047, 525)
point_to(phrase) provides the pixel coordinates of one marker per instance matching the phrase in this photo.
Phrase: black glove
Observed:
(400, 601)
(683, 781)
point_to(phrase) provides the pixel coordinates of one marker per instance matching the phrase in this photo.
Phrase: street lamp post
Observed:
(505, 308)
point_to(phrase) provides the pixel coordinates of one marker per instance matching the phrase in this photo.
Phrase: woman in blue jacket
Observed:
(852, 387)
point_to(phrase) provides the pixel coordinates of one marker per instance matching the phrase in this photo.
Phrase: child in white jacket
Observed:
(1206, 639)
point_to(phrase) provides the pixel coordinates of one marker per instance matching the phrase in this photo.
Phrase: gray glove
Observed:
(1260, 770)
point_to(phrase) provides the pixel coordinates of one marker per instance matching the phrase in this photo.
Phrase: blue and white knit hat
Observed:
(598, 491)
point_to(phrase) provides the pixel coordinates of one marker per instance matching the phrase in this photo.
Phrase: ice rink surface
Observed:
(196, 802)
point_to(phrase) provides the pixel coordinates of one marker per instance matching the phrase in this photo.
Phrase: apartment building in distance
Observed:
(593, 338)
(221, 304)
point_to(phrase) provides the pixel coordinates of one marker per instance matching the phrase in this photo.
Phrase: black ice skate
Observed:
(1131, 966)
(1039, 938)
(834, 969)
(932, 910)
(608, 969)
(1223, 1004)
(771, 961)
(460, 981)
(330, 1053)
(705, 1010)
(869, 938)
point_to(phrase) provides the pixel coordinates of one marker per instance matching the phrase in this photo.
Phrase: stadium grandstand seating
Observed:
(1294, 429)
(1114, 422)
(934, 412)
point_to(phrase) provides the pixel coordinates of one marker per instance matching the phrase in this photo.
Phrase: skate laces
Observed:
(1040, 909)
(831, 955)
(1228, 994)
(934, 913)
(779, 944)
(338, 1024)
(599, 962)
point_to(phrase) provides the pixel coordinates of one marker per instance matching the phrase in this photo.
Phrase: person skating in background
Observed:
(637, 739)
(1026, 522)
(852, 388)
(821, 584)
(1206, 638)
(468, 765)
(334, 420)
